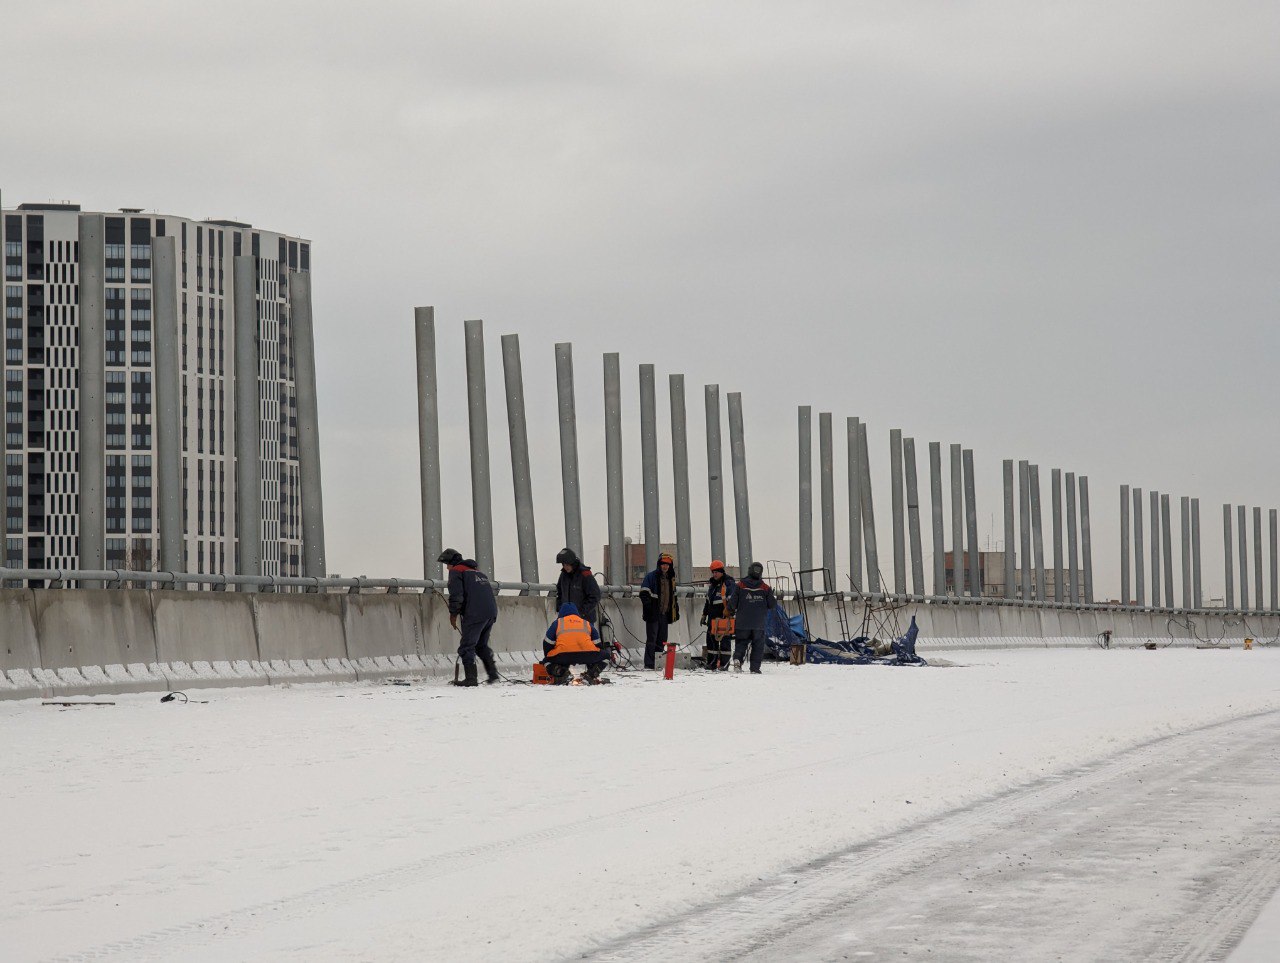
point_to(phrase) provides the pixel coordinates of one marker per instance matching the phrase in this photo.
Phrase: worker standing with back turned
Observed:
(472, 599)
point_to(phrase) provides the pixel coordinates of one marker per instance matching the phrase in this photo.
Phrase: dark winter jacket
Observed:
(721, 596)
(751, 608)
(471, 594)
(580, 587)
(651, 595)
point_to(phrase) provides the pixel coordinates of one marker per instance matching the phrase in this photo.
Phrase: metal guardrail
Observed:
(120, 578)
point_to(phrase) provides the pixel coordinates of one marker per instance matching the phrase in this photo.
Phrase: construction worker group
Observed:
(735, 614)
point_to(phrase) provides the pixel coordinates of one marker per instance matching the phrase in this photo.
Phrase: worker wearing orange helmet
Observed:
(659, 607)
(717, 616)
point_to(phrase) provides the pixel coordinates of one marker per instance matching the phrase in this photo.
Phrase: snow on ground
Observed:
(522, 822)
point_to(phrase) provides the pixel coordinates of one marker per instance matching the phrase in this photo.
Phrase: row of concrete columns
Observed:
(481, 495)
(167, 408)
(1257, 600)
(1028, 580)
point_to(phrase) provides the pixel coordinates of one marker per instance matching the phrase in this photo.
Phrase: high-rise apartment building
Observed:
(45, 278)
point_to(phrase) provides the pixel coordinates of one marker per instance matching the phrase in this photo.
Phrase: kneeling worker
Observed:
(471, 596)
(572, 640)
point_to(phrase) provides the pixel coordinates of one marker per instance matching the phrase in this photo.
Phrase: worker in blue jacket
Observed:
(751, 612)
(659, 607)
(473, 600)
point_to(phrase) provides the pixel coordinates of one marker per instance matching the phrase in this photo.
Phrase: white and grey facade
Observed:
(69, 301)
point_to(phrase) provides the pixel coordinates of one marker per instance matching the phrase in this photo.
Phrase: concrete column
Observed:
(868, 514)
(738, 461)
(1258, 603)
(680, 473)
(167, 377)
(1166, 538)
(1086, 540)
(913, 517)
(1228, 546)
(248, 421)
(570, 482)
(1010, 534)
(971, 517)
(855, 504)
(1242, 533)
(957, 523)
(1198, 600)
(1124, 545)
(804, 426)
(1188, 599)
(478, 424)
(1073, 575)
(518, 434)
(939, 539)
(93, 390)
(1157, 592)
(1275, 578)
(715, 472)
(1037, 528)
(895, 493)
(826, 458)
(1024, 527)
(649, 467)
(424, 329)
(613, 467)
(304, 351)
(1059, 588)
(1139, 580)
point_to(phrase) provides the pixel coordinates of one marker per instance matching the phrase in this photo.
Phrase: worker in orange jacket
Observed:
(572, 640)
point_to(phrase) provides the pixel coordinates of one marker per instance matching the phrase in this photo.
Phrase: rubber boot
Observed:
(469, 679)
(491, 669)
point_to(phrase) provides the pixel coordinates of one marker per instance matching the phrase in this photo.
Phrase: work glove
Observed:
(703, 620)
(453, 621)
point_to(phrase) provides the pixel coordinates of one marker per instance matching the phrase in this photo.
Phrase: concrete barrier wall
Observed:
(84, 641)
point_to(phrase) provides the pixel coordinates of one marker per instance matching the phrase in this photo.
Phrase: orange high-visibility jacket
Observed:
(573, 634)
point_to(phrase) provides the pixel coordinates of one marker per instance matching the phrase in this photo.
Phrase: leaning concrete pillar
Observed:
(1157, 595)
(1124, 545)
(1037, 529)
(521, 478)
(567, 409)
(1228, 546)
(424, 332)
(649, 467)
(680, 473)
(93, 388)
(167, 378)
(478, 424)
(248, 420)
(304, 351)
(913, 516)
(1139, 579)
(957, 522)
(1055, 480)
(1166, 535)
(804, 428)
(1257, 559)
(855, 504)
(617, 562)
(971, 518)
(868, 515)
(895, 501)
(1073, 580)
(826, 468)
(1243, 538)
(715, 472)
(738, 460)
(1024, 527)
(1275, 577)
(1086, 541)
(1188, 600)
(1198, 601)
(1010, 562)
(939, 537)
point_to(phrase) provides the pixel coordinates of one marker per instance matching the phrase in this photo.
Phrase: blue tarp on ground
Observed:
(783, 632)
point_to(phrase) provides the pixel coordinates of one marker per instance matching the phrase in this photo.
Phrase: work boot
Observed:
(737, 665)
(491, 669)
(469, 678)
(593, 672)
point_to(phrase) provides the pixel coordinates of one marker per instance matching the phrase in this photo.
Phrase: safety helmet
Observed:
(566, 556)
(717, 565)
(450, 556)
(755, 570)
(664, 557)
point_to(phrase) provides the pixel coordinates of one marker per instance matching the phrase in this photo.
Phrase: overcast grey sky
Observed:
(1046, 230)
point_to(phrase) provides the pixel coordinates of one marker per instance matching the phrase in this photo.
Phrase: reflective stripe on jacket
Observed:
(573, 634)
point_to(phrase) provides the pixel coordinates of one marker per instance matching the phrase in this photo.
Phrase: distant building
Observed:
(634, 557)
(43, 273)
